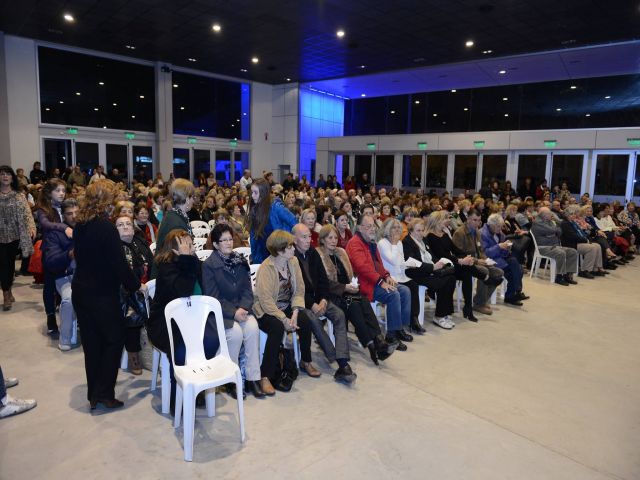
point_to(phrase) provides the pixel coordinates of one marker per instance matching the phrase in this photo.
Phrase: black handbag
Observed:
(134, 308)
(287, 370)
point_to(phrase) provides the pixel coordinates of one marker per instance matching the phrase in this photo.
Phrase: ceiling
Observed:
(296, 39)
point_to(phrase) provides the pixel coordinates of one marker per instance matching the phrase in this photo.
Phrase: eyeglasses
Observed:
(124, 225)
(228, 239)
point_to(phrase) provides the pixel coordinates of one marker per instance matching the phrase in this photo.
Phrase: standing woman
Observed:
(49, 218)
(101, 268)
(181, 194)
(17, 230)
(265, 216)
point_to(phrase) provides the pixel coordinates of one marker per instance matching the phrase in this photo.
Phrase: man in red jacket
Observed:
(376, 283)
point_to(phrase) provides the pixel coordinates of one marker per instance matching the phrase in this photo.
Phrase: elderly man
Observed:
(466, 239)
(376, 282)
(498, 248)
(316, 295)
(547, 235)
(98, 174)
(574, 237)
(246, 180)
(76, 177)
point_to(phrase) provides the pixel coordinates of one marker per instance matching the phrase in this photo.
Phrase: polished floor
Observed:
(549, 391)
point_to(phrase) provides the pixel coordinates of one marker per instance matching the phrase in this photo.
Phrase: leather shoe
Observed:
(417, 328)
(401, 347)
(309, 369)
(231, 390)
(404, 336)
(522, 296)
(513, 301)
(470, 316)
(107, 403)
(569, 279)
(267, 388)
(345, 375)
(561, 281)
(253, 387)
(373, 353)
(585, 274)
(484, 309)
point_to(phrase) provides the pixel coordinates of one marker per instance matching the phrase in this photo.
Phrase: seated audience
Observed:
(342, 225)
(573, 236)
(147, 230)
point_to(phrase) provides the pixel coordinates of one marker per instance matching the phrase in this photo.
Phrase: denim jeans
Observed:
(398, 306)
(513, 275)
(3, 389)
(68, 321)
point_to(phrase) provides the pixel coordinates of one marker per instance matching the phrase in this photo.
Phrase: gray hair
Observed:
(385, 231)
(571, 210)
(495, 220)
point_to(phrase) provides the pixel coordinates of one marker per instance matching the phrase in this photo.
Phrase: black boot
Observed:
(52, 326)
(404, 336)
(467, 312)
(253, 387)
(416, 327)
(231, 390)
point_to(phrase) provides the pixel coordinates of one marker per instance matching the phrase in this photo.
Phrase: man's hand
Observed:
(68, 232)
(349, 288)
(241, 315)
(505, 245)
(387, 287)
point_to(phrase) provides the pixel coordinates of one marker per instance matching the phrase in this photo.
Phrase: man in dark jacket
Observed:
(57, 257)
(316, 293)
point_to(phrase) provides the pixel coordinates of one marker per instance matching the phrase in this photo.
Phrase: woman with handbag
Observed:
(438, 277)
(345, 295)
(139, 259)
(279, 306)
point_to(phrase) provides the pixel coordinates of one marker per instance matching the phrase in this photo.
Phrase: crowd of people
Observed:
(329, 255)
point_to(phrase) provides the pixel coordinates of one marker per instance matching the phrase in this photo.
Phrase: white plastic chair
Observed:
(199, 374)
(204, 254)
(199, 224)
(422, 291)
(199, 243)
(152, 247)
(200, 232)
(244, 251)
(253, 269)
(211, 224)
(537, 258)
(503, 289)
(380, 314)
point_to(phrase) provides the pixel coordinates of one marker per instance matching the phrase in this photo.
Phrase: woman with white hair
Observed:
(181, 193)
(574, 237)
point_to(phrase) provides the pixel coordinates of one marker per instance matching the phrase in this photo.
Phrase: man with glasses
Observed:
(376, 282)
(467, 239)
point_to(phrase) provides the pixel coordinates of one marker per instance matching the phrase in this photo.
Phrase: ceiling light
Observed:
(237, 119)
(502, 72)
(142, 96)
(130, 47)
(588, 115)
(435, 114)
(466, 109)
(506, 114)
(362, 66)
(288, 79)
(47, 109)
(78, 93)
(608, 97)
(133, 116)
(363, 94)
(573, 87)
(392, 112)
(61, 101)
(101, 83)
(504, 99)
(469, 43)
(181, 108)
(115, 104)
(69, 18)
(417, 102)
(216, 27)
(485, 52)
(255, 60)
(104, 126)
(454, 90)
(244, 114)
(340, 33)
(202, 130)
(175, 85)
(191, 59)
(558, 109)
(243, 70)
(96, 109)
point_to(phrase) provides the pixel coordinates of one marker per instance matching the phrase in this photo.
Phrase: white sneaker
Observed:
(10, 382)
(64, 348)
(14, 406)
(443, 323)
(450, 321)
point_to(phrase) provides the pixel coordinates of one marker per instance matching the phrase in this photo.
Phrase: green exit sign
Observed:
(550, 143)
(422, 145)
(478, 144)
(191, 140)
(233, 143)
(129, 135)
(634, 142)
(371, 146)
(72, 131)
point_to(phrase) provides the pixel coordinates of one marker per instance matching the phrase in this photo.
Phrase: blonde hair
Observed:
(414, 223)
(278, 241)
(120, 205)
(98, 200)
(165, 253)
(325, 231)
(433, 220)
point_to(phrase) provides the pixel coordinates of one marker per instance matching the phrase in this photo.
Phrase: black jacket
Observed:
(316, 283)
(411, 250)
(570, 237)
(233, 290)
(175, 280)
(55, 253)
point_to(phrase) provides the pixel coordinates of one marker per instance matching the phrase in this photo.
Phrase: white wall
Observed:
(261, 113)
(284, 126)
(5, 152)
(22, 102)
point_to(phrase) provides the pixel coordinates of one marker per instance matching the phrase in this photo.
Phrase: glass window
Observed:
(437, 171)
(201, 163)
(384, 170)
(567, 168)
(397, 114)
(142, 161)
(57, 154)
(241, 164)
(636, 180)
(181, 163)
(223, 166)
(532, 166)
(412, 170)
(611, 174)
(89, 91)
(210, 107)
(87, 156)
(362, 165)
(465, 168)
(117, 159)
(338, 168)
(365, 116)
(494, 167)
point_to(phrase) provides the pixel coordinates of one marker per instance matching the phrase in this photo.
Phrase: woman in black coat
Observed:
(426, 274)
(101, 268)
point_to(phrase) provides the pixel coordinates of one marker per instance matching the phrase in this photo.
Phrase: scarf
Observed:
(230, 261)
(184, 216)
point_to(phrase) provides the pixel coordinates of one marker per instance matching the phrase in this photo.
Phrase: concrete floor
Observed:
(549, 391)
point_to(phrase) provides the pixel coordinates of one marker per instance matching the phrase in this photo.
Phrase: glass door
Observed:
(635, 187)
(201, 165)
(362, 166)
(567, 170)
(58, 154)
(87, 156)
(609, 176)
(241, 161)
(465, 172)
(493, 168)
(384, 171)
(142, 165)
(436, 178)
(117, 162)
(412, 171)
(532, 170)
(223, 166)
(181, 163)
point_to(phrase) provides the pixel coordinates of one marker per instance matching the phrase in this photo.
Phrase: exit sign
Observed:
(422, 145)
(72, 131)
(233, 143)
(550, 143)
(634, 142)
(371, 146)
(191, 140)
(478, 144)
(129, 135)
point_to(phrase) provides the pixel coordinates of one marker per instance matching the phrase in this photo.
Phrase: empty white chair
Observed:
(152, 247)
(199, 374)
(199, 224)
(160, 362)
(244, 251)
(537, 258)
(199, 243)
(212, 223)
(253, 269)
(200, 232)
(203, 254)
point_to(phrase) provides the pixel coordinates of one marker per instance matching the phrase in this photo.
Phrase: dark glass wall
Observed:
(87, 91)
(585, 103)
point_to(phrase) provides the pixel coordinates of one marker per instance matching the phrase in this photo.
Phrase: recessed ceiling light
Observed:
(104, 126)
(237, 119)
(340, 33)
(288, 79)
(95, 109)
(130, 47)
(142, 96)
(60, 101)
(255, 60)
(573, 87)
(392, 112)
(363, 94)
(469, 43)
(417, 102)
(191, 59)
(502, 72)
(244, 114)
(243, 70)
(444, 123)
(69, 18)
(558, 109)
(466, 109)
(362, 66)
(133, 116)
(78, 93)
(114, 104)
(485, 52)
(608, 97)
(181, 108)
(435, 114)
(47, 109)
(454, 90)
(588, 115)
(506, 114)
(216, 27)
(504, 99)
(202, 130)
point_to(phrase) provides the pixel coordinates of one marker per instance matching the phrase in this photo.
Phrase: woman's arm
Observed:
(297, 299)
(266, 290)
(47, 224)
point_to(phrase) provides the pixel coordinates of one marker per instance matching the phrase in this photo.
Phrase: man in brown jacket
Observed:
(467, 240)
